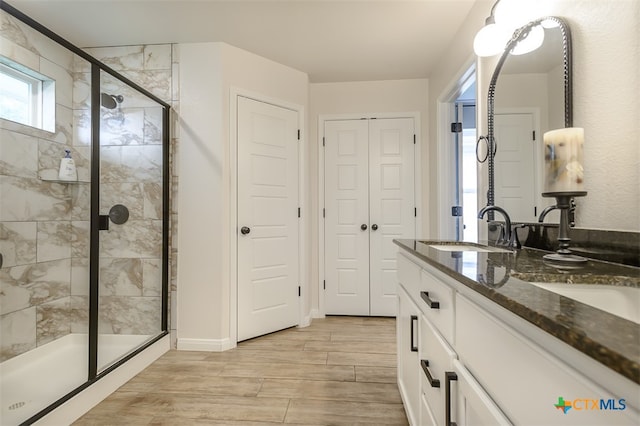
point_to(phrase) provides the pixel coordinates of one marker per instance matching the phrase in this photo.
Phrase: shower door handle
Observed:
(119, 214)
(103, 222)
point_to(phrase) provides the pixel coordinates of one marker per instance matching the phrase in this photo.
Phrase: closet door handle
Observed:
(449, 376)
(374, 227)
(432, 303)
(363, 226)
(245, 230)
(414, 320)
(435, 383)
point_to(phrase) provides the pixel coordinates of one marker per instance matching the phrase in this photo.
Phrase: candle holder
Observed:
(563, 202)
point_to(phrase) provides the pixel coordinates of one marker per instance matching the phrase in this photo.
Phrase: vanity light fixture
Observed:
(491, 38)
(506, 17)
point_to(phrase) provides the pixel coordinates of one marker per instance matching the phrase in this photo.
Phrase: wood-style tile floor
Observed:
(338, 371)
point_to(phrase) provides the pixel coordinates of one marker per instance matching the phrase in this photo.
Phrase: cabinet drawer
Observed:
(408, 275)
(436, 300)
(524, 379)
(436, 357)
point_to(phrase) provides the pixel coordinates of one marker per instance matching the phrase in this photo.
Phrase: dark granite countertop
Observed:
(505, 278)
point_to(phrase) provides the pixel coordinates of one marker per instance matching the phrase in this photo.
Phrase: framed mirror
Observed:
(529, 94)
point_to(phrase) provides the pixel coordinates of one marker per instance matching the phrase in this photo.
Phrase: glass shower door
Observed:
(130, 306)
(44, 241)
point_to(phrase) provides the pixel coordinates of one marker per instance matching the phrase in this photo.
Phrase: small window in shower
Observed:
(26, 96)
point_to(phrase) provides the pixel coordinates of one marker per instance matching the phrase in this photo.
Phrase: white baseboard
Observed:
(315, 313)
(206, 345)
(80, 404)
(306, 322)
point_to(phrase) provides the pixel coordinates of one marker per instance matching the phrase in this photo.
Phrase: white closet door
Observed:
(268, 210)
(346, 210)
(391, 205)
(515, 171)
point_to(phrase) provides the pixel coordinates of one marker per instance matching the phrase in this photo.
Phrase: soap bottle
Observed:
(67, 168)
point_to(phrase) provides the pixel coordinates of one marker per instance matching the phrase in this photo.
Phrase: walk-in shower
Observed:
(83, 282)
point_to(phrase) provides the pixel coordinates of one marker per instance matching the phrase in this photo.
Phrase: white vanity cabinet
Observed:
(447, 391)
(502, 359)
(436, 359)
(471, 405)
(479, 364)
(408, 361)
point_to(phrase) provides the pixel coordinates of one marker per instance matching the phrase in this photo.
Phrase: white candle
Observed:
(563, 160)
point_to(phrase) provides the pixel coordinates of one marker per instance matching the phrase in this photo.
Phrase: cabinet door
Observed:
(408, 363)
(472, 405)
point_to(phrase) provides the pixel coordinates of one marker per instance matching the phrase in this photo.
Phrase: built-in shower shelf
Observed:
(71, 182)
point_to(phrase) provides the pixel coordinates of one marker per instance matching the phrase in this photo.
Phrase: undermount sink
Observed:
(463, 246)
(621, 301)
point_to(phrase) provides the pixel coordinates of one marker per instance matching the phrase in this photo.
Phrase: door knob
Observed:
(245, 230)
(374, 227)
(363, 226)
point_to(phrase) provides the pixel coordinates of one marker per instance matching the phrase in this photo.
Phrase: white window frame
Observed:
(41, 94)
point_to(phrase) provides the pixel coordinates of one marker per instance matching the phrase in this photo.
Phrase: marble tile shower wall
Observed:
(44, 225)
(43, 235)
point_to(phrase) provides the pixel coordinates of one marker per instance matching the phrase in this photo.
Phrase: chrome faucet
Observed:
(507, 240)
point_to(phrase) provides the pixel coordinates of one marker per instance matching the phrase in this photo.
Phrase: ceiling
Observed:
(329, 40)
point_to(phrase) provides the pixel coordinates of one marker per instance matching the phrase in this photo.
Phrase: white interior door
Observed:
(369, 201)
(267, 218)
(391, 205)
(346, 213)
(515, 172)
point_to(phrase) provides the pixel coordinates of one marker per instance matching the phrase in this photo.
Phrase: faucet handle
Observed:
(498, 228)
(514, 242)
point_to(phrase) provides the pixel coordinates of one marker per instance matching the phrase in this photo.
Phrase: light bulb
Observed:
(490, 40)
(531, 42)
(514, 13)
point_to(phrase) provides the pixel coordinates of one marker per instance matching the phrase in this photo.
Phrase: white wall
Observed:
(364, 97)
(606, 83)
(208, 72)
(451, 67)
(606, 37)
